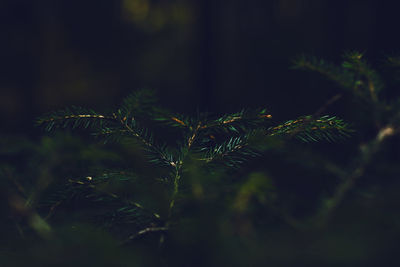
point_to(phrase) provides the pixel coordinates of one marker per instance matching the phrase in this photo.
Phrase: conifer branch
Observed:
(175, 192)
(145, 139)
(354, 61)
(88, 183)
(231, 153)
(354, 74)
(199, 135)
(178, 166)
(88, 189)
(240, 121)
(74, 117)
(343, 77)
(307, 129)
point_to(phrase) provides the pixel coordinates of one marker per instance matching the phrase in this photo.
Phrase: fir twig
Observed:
(202, 135)
(306, 129)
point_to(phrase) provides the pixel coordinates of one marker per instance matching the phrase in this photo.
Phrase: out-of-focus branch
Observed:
(366, 155)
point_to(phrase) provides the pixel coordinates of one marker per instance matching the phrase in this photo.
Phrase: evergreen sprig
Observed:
(354, 74)
(74, 117)
(239, 122)
(119, 209)
(307, 129)
(231, 153)
(221, 140)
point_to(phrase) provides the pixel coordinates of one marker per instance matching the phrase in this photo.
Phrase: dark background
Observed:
(208, 55)
(212, 55)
